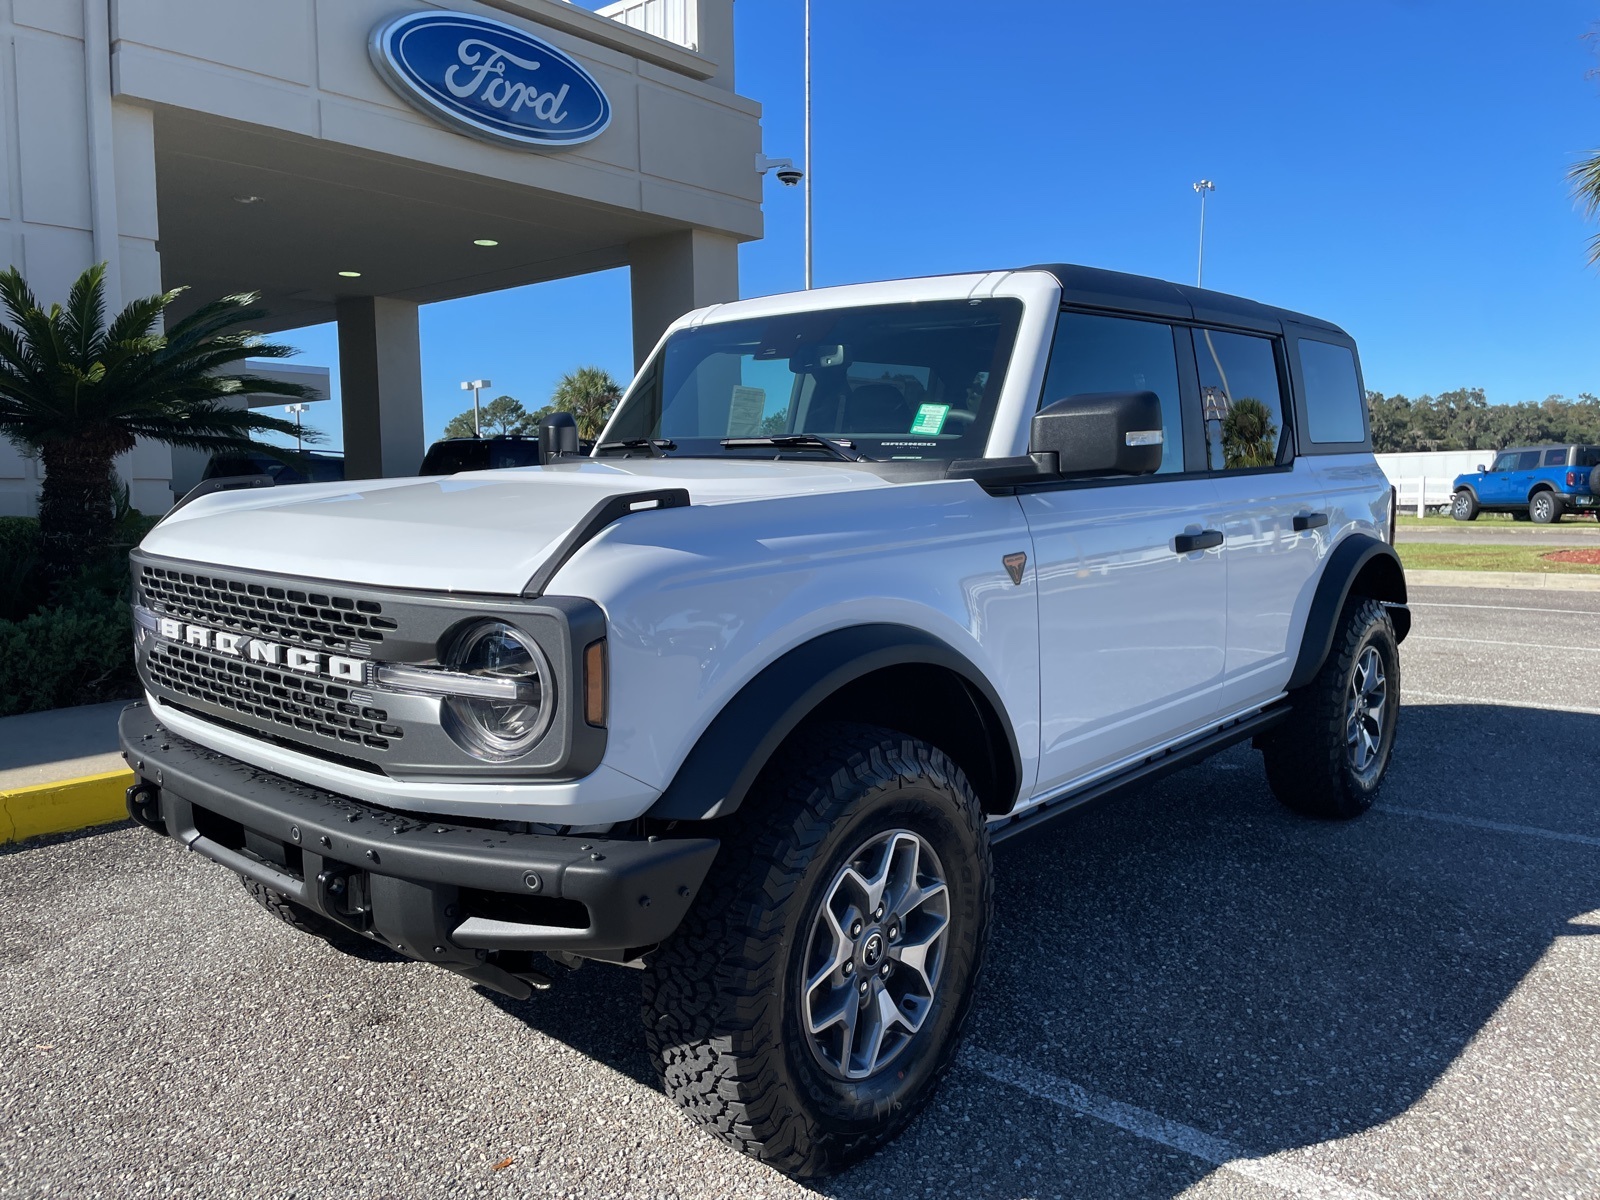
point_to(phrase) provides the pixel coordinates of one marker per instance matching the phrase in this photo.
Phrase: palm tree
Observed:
(1249, 437)
(589, 394)
(79, 392)
(1585, 177)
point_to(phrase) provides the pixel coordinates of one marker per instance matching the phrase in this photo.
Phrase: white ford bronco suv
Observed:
(856, 583)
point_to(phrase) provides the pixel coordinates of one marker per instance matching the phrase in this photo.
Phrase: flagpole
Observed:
(808, 145)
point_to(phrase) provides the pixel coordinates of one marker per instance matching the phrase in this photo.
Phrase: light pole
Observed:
(475, 386)
(808, 145)
(1201, 188)
(297, 409)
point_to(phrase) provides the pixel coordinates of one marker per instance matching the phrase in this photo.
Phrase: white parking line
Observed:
(1435, 637)
(1569, 612)
(1481, 823)
(1268, 1169)
(1566, 708)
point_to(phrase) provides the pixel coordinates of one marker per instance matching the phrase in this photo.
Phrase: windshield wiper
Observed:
(657, 447)
(840, 448)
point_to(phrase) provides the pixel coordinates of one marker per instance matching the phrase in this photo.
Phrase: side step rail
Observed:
(1175, 758)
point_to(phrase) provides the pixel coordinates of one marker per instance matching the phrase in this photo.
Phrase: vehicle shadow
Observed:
(1197, 951)
(595, 1010)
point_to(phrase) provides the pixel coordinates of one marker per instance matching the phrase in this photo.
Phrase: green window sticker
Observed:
(930, 418)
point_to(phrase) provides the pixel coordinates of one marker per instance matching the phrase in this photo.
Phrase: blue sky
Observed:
(1396, 166)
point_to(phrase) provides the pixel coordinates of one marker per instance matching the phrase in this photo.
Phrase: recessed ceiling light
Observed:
(484, 242)
(351, 274)
(248, 199)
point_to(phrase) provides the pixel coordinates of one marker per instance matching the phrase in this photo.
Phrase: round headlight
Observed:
(503, 728)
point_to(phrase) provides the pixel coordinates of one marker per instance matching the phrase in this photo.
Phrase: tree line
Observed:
(1465, 420)
(589, 394)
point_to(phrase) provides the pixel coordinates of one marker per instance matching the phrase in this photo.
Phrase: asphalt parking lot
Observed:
(1190, 992)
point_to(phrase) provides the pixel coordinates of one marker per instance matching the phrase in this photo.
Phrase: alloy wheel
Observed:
(875, 954)
(1364, 711)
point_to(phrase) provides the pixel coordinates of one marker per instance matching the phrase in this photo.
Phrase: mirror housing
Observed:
(1482, 468)
(558, 436)
(1100, 433)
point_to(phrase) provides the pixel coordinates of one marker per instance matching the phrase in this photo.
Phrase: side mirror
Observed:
(1482, 468)
(1101, 433)
(558, 436)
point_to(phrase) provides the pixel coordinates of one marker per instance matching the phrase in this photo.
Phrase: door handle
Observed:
(1188, 543)
(1310, 521)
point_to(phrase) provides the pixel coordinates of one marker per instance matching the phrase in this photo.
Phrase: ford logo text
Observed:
(489, 79)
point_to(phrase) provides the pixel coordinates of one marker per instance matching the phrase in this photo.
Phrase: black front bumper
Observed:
(468, 897)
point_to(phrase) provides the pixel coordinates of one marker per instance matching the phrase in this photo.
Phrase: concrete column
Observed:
(712, 33)
(380, 385)
(675, 273)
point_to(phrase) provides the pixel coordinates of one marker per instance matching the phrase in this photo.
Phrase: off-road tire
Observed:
(721, 1007)
(1464, 506)
(297, 916)
(1544, 508)
(1308, 765)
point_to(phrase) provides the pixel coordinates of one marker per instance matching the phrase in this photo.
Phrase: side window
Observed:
(1528, 460)
(1119, 354)
(1556, 457)
(1334, 404)
(1506, 462)
(1243, 398)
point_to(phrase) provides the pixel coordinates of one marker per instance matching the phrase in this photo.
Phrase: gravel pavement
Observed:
(1190, 992)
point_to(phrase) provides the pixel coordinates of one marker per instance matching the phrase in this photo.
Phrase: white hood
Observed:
(483, 532)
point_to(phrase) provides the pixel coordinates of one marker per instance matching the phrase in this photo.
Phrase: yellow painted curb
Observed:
(63, 806)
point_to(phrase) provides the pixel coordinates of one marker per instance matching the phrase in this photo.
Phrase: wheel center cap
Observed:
(872, 949)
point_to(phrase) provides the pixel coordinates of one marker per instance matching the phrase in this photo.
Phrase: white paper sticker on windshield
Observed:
(744, 414)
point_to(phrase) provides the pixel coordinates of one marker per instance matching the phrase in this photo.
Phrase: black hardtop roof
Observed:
(1097, 288)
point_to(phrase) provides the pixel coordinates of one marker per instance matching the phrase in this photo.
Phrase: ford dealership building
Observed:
(353, 159)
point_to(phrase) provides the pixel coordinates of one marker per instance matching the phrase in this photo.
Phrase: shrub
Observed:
(78, 647)
(78, 653)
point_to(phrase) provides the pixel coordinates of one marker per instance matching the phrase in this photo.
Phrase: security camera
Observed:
(788, 174)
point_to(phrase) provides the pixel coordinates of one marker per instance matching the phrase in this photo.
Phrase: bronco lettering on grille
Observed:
(237, 645)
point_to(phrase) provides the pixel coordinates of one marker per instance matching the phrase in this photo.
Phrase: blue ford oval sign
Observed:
(489, 79)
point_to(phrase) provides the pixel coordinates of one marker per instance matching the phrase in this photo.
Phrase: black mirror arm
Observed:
(994, 474)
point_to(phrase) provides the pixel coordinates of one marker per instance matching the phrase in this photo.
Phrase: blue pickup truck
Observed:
(1537, 483)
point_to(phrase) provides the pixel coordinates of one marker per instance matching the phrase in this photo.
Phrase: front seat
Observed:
(876, 408)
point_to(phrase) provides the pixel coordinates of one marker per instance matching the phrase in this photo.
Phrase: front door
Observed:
(1132, 632)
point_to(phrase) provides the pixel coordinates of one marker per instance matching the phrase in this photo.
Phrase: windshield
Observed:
(904, 381)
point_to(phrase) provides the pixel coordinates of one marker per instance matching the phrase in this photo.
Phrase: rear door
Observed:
(1272, 507)
(1519, 482)
(1132, 632)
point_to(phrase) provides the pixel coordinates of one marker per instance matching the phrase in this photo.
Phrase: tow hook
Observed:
(144, 806)
(343, 893)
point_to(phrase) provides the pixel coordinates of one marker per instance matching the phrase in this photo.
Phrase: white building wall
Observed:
(48, 196)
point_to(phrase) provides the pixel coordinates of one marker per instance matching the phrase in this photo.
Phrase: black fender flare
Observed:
(1467, 488)
(1354, 555)
(718, 772)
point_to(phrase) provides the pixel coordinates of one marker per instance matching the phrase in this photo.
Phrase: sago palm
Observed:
(589, 394)
(79, 391)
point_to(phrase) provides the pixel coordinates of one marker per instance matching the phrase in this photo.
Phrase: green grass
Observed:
(1445, 557)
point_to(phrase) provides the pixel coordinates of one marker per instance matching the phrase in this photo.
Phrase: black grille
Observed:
(312, 706)
(278, 613)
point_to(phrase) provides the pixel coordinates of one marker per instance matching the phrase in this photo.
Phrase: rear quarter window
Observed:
(1335, 408)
